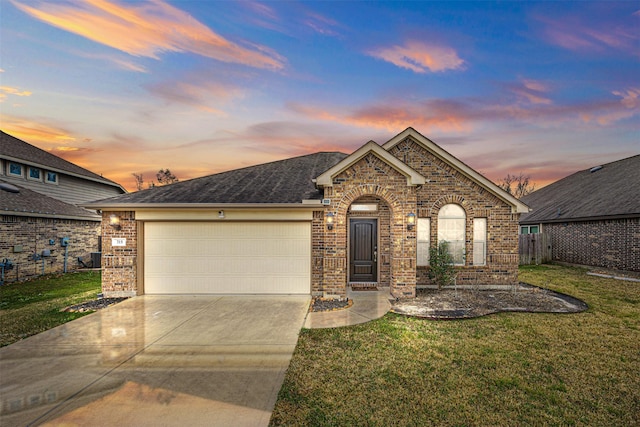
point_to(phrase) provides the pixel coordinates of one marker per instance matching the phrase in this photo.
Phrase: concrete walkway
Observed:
(156, 361)
(367, 306)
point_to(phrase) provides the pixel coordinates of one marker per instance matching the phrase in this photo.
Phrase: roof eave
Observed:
(95, 218)
(130, 206)
(580, 219)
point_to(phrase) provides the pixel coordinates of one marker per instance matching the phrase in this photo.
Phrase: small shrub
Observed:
(441, 266)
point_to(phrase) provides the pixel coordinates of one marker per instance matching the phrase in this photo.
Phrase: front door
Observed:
(364, 250)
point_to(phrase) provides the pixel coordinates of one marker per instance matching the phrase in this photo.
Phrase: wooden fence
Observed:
(534, 248)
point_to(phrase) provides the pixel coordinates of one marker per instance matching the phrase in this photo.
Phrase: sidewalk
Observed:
(367, 306)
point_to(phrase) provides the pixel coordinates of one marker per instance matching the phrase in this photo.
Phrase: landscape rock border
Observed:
(450, 304)
(93, 305)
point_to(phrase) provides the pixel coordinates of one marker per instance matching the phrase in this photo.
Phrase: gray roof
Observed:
(284, 181)
(29, 203)
(16, 149)
(607, 191)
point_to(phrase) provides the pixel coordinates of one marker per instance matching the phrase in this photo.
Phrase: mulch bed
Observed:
(329, 304)
(461, 304)
(93, 305)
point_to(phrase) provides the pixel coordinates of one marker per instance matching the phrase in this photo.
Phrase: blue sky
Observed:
(542, 88)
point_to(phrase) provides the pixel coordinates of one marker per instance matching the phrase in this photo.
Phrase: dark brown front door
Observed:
(364, 250)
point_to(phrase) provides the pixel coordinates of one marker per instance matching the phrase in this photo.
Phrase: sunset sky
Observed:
(201, 87)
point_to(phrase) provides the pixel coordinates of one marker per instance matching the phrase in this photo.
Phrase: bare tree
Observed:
(139, 180)
(517, 185)
(165, 177)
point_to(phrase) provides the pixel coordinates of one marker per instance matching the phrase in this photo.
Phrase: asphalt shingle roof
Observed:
(30, 202)
(284, 181)
(13, 147)
(613, 190)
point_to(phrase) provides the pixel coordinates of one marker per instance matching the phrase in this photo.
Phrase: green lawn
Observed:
(28, 308)
(506, 369)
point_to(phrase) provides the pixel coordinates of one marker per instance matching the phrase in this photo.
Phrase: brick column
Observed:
(119, 263)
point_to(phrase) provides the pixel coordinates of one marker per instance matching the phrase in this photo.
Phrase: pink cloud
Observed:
(149, 29)
(532, 91)
(465, 115)
(321, 24)
(576, 34)
(201, 94)
(442, 115)
(419, 57)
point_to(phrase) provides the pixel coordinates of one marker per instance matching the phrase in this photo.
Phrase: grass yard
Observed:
(505, 369)
(28, 308)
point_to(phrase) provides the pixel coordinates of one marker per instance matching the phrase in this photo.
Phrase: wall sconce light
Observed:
(330, 221)
(411, 221)
(114, 221)
(220, 214)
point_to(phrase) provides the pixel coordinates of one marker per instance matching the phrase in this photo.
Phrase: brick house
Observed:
(39, 198)
(592, 216)
(313, 224)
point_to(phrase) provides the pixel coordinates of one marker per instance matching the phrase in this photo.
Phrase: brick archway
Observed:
(402, 244)
(355, 193)
(451, 199)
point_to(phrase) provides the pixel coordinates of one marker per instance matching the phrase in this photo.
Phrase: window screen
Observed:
(479, 241)
(423, 236)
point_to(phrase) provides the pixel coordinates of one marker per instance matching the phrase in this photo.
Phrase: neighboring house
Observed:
(39, 194)
(314, 224)
(592, 216)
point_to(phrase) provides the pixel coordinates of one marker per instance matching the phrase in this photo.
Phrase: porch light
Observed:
(411, 220)
(220, 214)
(114, 221)
(330, 221)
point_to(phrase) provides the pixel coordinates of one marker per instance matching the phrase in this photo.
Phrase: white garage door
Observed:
(227, 257)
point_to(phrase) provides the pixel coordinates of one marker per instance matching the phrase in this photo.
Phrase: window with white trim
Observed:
(34, 174)
(529, 229)
(451, 228)
(423, 236)
(479, 241)
(51, 177)
(15, 169)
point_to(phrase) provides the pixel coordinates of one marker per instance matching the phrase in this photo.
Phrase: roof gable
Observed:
(12, 148)
(413, 177)
(460, 166)
(609, 190)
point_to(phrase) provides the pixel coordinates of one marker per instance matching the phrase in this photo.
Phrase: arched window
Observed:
(451, 228)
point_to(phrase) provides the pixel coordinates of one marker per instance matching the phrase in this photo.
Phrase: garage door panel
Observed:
(225, 257)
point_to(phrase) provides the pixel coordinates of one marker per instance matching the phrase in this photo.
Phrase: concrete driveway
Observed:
(156, 360)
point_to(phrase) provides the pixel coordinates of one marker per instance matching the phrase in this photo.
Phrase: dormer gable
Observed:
(371, 147)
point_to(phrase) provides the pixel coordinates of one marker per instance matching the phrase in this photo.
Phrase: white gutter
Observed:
(54, 215)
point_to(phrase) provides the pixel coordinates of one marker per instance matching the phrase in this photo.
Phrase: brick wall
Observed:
(610, 243)
(119, 263)
(446, 185)
(371, 179)
(32, 235)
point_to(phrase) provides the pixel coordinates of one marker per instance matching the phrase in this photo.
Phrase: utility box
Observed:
(96, 259)
(46, 252)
